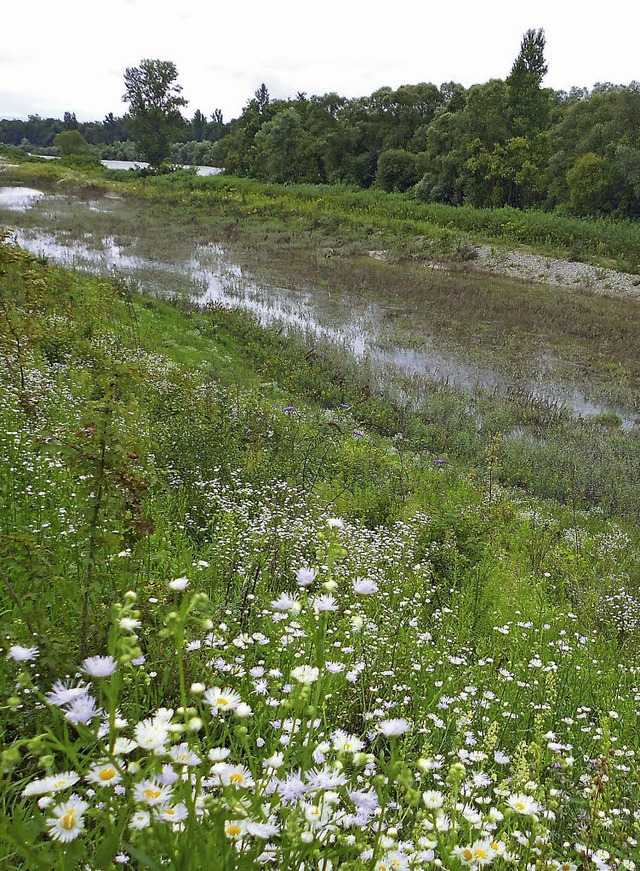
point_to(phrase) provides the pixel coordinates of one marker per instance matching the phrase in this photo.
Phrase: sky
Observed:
(71, 55)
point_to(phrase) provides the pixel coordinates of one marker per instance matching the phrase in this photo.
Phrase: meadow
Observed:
(257, 614)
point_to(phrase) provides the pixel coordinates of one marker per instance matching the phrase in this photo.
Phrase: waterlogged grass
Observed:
(351, 221)
(247, 625)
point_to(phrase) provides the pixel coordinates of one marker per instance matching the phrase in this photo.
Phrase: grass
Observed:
(324, 642)
(346, 220)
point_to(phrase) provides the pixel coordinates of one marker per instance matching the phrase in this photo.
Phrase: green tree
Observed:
(70, 142)
(154, 107)
(397, 170)
(530, 103)
(588, 184)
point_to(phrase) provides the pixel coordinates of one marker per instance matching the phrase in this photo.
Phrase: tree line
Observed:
(507, 142)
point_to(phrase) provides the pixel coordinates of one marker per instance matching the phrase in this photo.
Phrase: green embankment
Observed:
(327, 638)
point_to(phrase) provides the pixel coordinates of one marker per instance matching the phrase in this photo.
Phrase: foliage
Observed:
(154, 107)
(70, 142)
(217, 653)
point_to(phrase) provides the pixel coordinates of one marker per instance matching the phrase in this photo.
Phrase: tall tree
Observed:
(530, 103)
(154, 107)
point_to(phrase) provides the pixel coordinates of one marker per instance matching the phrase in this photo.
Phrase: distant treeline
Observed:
(112, 137)
(508, 142)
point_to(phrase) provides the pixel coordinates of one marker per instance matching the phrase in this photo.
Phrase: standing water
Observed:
(109, 234)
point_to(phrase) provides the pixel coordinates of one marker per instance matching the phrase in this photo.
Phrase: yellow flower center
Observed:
(68, 821)
(479, 853)
(152, 793)
(467, 854)
(106, 774)
(236, 777)
(234, 830)
(520, 806)
(222, 701)
(169, 812)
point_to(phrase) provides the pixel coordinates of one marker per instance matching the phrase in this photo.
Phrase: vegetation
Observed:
(255, 612)
(154, 102)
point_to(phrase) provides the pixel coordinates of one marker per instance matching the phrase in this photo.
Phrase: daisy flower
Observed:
(54, 783)
(221, 700)
(67, 820)
(151, 792)
(305, 673)
(523, 804)
(22, 654)
(103, 774)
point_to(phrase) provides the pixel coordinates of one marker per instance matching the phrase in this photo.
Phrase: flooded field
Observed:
(411, 326)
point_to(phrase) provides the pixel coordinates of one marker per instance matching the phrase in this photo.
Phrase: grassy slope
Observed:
(139, 441)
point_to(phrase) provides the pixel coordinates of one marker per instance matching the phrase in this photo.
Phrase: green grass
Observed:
(457, 682)
(343, 219)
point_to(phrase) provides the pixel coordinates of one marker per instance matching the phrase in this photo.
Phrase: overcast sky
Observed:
(71, 55)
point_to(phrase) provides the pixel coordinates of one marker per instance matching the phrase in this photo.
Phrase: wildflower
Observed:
(103, 774)
(523, 804)
(99, 666)
(61, 694)
(305, 673)
(232, 775)
(221, 700)
(345, 743)
(179, 584)
(364, 587)
(22, 654)
(432, 799)
(182, 754)
(123, 746)
(305, 576)
(325, 603)
(67, 821)
(151, 792)
(243, 710)
(54, 783)
(129, 623)
(394, 727)
(262, 830)
(82, 709)
(140, 820)
(286, 603)
(335, 522)
(172, 813)
(219, 754)
(152, 734)
(235, 829)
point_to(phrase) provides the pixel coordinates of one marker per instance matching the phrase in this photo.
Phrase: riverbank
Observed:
(235, 582)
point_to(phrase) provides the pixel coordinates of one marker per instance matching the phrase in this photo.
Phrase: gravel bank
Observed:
(564, 273)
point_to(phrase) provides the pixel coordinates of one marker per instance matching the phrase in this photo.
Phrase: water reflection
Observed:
(370, 330)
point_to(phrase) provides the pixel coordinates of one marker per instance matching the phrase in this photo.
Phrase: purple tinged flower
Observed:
(82, 710)
(290, 409)
(99, 666)
(61, 694)
(364, 587)
(305, 576)
(22, 654)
